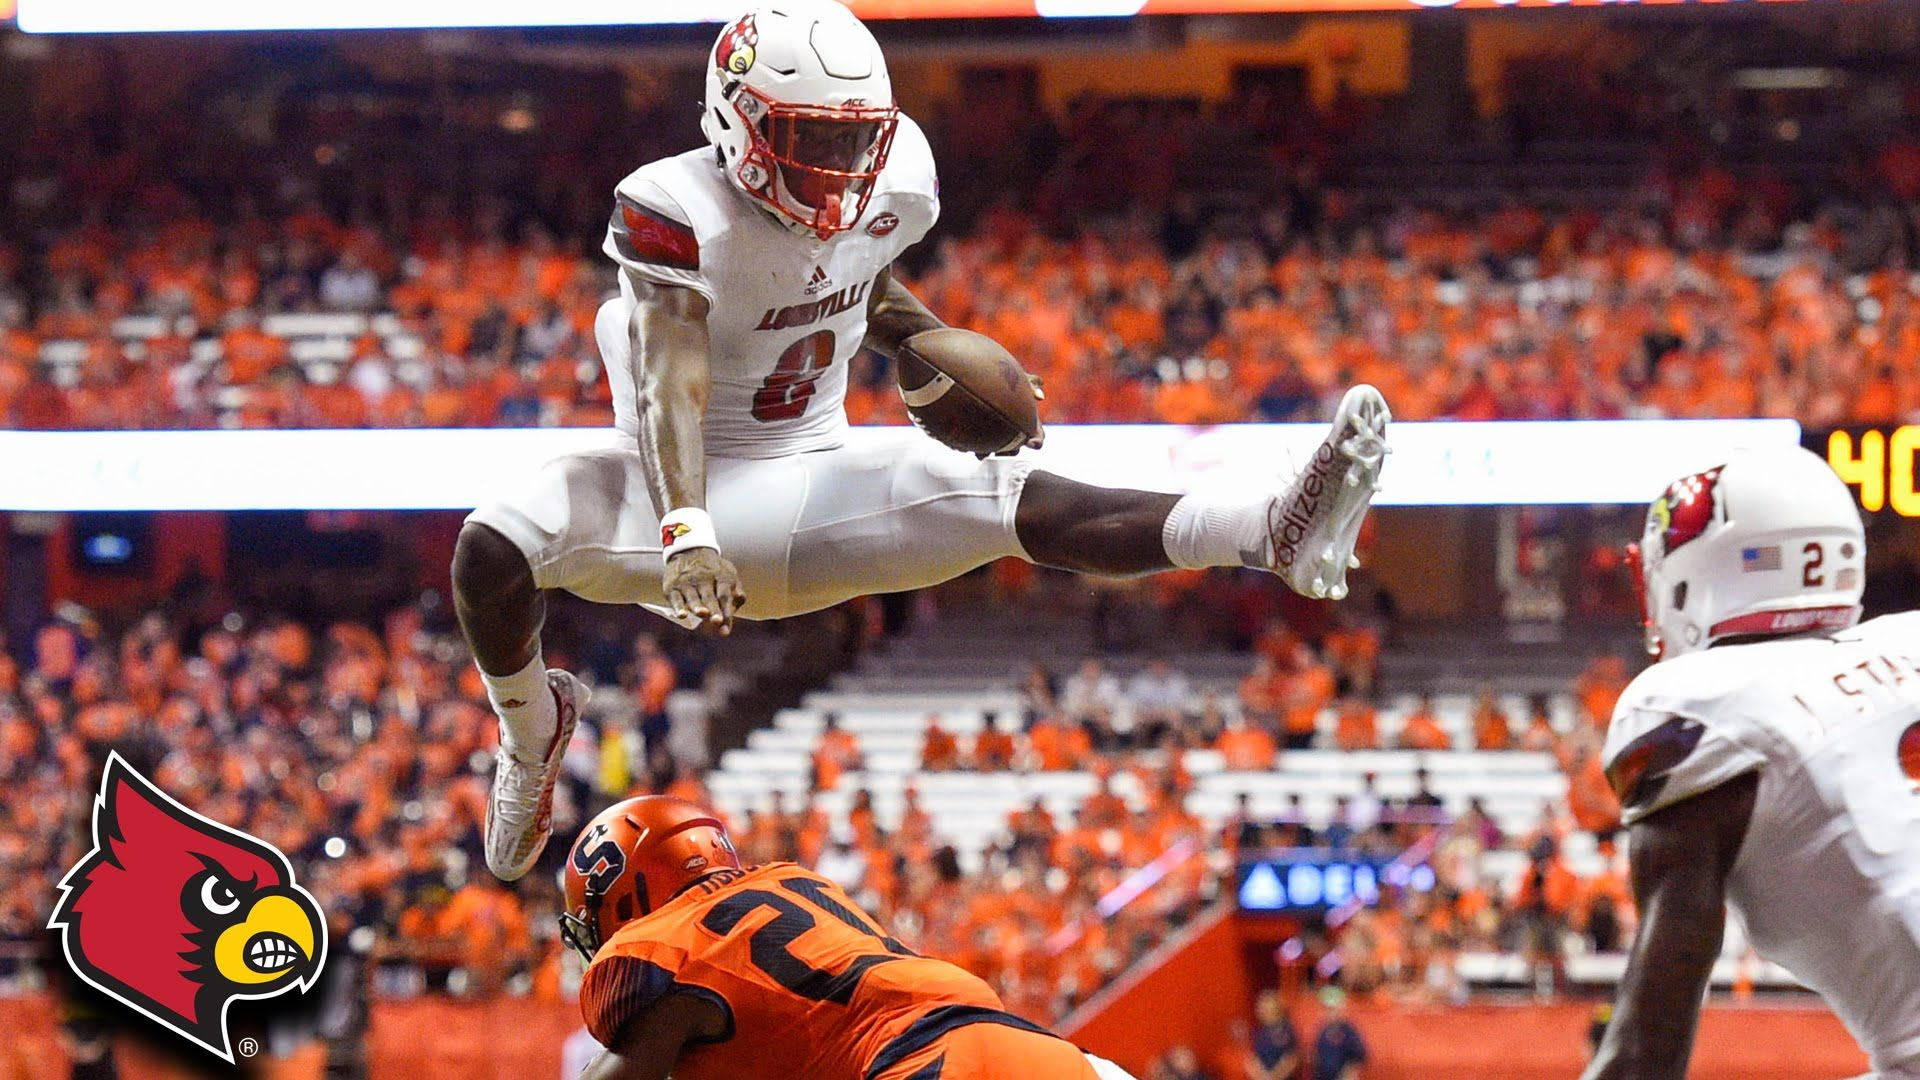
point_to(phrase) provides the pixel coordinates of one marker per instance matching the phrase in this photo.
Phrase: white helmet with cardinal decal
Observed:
(1769, 543)
(801, 111)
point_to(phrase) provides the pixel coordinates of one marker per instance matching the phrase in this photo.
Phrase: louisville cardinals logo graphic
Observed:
(179, 916)
(670, 533)
(735, 52)
(1685, 511)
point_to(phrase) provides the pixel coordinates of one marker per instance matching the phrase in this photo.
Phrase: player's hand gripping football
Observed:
(1040, 438)
(703, 589)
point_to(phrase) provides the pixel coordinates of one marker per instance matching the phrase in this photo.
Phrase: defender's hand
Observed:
(700, 584)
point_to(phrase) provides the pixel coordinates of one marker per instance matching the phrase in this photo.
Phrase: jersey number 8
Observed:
(785, 393)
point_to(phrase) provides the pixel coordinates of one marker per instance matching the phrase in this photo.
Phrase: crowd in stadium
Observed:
(1710, 291)
(1516, 313)
(355, 749)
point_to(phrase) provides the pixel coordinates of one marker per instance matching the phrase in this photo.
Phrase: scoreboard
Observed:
(1876, 462)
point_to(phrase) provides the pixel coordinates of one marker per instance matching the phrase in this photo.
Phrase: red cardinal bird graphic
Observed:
(179, 916)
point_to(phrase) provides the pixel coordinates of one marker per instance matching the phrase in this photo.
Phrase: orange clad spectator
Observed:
(1491, 729)
(1058, 745)
(654, 681)
(1356, 726)
(1590, 797)
(1310, 688)
(250, 353)
(837, 752)
(993, 748)
(1246, 747)
(1354, 652)
(1104, 808)
(1599, 688)
(940, 751)
(1422, 731)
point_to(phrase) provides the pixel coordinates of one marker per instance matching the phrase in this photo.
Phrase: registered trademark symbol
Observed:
(249, 1047)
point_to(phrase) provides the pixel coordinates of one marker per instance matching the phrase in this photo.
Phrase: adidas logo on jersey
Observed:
(818, 283)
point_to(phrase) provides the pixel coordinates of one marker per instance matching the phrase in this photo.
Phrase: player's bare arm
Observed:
(1681, 858)
(894, 314)
(649, 1045)
(668, 327)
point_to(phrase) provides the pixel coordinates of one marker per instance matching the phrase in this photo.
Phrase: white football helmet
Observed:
(800, 108)
(1769, 543)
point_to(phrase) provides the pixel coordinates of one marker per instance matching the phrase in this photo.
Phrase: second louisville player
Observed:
(701, 968)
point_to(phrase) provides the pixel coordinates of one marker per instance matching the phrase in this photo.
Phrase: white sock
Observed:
(1203, 531)
(524, 703)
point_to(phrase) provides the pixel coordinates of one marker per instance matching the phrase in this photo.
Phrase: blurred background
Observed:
(1198, 824)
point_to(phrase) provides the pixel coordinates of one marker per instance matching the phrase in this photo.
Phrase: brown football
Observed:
(967, 391)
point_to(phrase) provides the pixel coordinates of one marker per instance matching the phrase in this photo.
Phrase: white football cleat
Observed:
(520, 804)
(1313, 524)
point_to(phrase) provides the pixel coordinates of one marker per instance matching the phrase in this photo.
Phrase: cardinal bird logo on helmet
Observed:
(735, 52)
(179, 916)
(1685, 511)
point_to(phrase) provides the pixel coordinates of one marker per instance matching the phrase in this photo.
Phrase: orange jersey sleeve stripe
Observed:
(620, 988)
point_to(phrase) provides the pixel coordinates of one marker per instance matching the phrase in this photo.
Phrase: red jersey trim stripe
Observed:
(647, 236)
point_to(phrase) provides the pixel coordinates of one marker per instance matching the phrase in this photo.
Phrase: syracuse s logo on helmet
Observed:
(179, 916)
(735, 52)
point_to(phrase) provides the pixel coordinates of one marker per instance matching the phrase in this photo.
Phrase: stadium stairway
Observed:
(959, 670)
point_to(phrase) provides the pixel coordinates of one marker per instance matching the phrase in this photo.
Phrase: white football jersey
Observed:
(1828, 877)
(788, 311)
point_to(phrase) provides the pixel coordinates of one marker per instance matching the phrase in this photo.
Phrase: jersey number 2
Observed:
(785, 393)
(769, 945)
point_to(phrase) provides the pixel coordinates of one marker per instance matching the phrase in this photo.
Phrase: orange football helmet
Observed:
(633, 857)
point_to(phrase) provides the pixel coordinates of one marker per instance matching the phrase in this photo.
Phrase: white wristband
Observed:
(687, 527)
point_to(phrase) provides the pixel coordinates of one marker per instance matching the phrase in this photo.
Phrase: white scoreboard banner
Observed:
(1432, 464)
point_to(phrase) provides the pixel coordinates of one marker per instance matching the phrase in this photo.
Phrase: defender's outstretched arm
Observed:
(1681, 858)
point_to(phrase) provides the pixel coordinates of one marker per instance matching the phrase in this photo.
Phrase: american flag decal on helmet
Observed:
(1756, 560)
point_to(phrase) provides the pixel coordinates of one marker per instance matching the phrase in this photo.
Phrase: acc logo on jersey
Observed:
(883, 224)
(1685, 511)
(737, 48)
(1910, 755)
(179, 916)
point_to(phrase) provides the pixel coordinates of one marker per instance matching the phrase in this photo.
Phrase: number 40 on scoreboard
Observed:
(1878, 464)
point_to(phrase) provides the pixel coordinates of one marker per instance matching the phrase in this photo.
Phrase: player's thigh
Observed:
(585, 524)
(899, 513)
(995, 1052)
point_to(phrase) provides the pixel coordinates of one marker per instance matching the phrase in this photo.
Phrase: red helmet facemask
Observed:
(1636, 561)
(824, 159)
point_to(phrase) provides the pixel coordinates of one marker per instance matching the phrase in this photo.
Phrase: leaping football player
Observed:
(751, 271)
(701, 968)
(1770, 760)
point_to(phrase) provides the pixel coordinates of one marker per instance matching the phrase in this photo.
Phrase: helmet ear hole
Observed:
(1680, 597)
(721, 118)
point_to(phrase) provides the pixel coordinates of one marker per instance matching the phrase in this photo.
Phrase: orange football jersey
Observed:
(812, 985)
